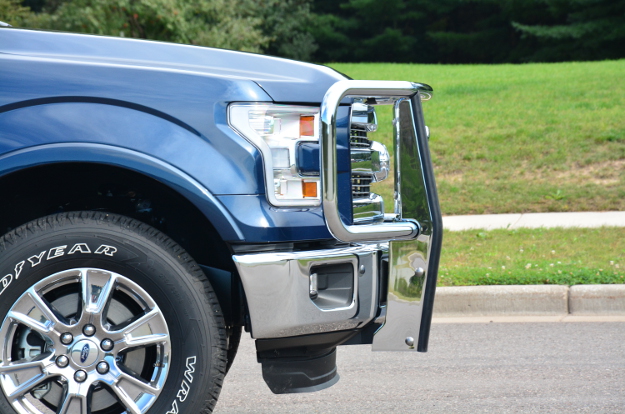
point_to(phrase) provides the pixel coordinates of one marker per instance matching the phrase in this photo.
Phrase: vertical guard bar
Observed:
(413, 265)
(435, 229)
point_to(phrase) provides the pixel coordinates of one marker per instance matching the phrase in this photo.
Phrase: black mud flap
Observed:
(286, 375)
(305, 363)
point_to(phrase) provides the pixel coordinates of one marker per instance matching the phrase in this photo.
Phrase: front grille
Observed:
(358, 138)
(361, 185)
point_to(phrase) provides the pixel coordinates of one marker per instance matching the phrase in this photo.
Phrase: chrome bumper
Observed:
(278, 290)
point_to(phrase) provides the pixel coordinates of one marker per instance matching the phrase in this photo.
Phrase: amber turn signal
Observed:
(306, 126)
(309, 188)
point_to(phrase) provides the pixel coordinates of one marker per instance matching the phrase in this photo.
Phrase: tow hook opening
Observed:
(332, 286)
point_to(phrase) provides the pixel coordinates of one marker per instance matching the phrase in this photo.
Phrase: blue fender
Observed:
(136, 140)
(178, 180)
(108, 122)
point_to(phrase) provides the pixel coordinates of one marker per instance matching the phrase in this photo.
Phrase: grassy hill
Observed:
(520, 138)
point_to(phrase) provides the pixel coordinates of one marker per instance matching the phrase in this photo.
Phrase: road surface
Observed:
(555, 367)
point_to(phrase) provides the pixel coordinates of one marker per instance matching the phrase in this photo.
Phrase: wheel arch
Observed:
(113, 157)
(48, 179)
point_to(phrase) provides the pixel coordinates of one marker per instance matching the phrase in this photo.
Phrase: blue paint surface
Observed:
(159, 109)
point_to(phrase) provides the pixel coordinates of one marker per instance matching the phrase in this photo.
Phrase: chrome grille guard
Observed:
(415, 234)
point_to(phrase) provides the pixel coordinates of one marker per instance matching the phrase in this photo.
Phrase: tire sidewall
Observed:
(147, 261)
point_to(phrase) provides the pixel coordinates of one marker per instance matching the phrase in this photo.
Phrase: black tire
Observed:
(134, 254)
(234, 339)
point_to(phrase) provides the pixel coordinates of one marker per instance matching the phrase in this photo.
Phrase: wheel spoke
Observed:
(74, 404)
(128, 389)
(128, 403)
(40, 327)
(144, 341)
(135, 383)
(149, 329)
(44, 307)
(23, 377)
(97, 288)
(33, 311)
(22, 366)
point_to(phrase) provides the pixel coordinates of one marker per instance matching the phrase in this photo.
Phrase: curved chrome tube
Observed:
(387, 91)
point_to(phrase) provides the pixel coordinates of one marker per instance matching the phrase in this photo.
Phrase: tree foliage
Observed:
(12, 12)
(468, 31)
(273, 26)
(428, 31)
(585, 30)
(212, 23)
(370, 30)
(285, 23)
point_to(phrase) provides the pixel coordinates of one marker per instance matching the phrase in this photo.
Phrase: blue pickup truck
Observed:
(158, 199)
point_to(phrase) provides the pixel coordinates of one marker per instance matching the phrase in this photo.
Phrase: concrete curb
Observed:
(597, 300)
(529, 300)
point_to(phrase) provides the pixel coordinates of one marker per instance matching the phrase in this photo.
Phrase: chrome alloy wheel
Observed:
(84, 341)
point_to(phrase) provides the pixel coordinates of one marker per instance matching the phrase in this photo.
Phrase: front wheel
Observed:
(103, 314)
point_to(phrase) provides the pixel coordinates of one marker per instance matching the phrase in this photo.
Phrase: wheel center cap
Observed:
(85, 353)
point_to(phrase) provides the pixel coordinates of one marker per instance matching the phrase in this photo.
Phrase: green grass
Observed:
(519, 138)
(522, 138)
(533, 256)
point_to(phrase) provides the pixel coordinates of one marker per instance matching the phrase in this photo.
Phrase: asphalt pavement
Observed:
(477, 367)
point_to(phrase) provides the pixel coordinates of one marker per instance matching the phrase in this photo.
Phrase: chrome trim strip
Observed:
(374, 161)
(389, 91)
(368, 209)
(362, 160)
(277, 289)
(364, 116)
(381, 161)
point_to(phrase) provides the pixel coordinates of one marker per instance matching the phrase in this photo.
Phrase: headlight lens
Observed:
(277, 131)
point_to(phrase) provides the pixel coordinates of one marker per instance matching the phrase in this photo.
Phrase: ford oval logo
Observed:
(84, 354)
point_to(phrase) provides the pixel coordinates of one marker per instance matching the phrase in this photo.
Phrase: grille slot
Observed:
(361, 182)
(358, 138)
(367, 207)
(361, 185)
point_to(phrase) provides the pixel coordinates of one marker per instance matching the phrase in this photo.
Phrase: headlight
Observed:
(277, 131)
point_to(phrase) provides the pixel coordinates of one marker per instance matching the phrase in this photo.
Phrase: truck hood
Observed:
(284, 80)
